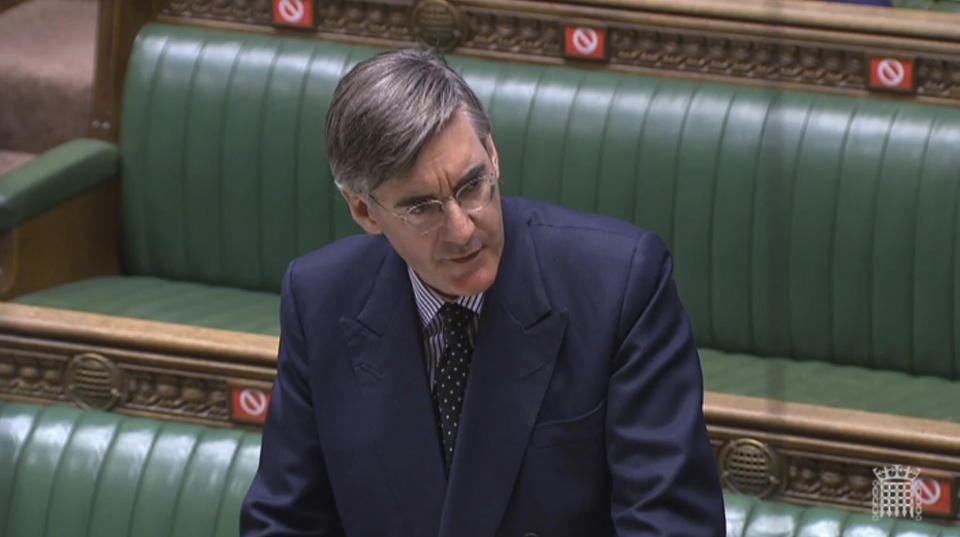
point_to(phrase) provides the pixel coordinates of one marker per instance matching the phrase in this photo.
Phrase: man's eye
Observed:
(418, 210)
(472, 186)
(424, 209)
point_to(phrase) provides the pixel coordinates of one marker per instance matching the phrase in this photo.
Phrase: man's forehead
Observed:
(410, 189)
(448, 158)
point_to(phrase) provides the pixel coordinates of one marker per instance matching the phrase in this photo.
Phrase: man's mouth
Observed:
(466, 258)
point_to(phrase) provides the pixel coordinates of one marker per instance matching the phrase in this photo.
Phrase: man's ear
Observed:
(360, 211)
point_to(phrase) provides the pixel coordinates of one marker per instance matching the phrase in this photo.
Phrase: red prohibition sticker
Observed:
(891, 73)
(293, 13)
(585, 42)
(936, 495)
(250, 404)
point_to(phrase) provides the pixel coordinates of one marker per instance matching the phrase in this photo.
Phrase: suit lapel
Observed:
(513, 362)
(385, 343)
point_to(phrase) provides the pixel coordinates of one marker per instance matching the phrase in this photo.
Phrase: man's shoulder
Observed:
(341, 263)
(557, 228)
(598, 268)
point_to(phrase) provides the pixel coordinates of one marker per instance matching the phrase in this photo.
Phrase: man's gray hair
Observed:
(386, 109)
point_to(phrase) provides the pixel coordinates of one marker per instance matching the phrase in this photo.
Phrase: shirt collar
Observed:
(429, 302)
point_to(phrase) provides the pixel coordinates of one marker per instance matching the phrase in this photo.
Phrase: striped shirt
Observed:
(428, 304)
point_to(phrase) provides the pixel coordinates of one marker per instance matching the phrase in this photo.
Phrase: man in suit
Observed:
(475, 366)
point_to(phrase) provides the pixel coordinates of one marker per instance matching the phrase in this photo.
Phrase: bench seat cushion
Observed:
(76, 472)
(156, 299)
(822, 383)
(811, 382)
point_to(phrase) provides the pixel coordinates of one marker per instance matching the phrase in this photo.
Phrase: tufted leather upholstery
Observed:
(803, 225)
(224, 167)
(74, 473)
(70, 473)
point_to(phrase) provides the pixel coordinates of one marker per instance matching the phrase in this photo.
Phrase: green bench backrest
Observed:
(65, 472)
(803, 225)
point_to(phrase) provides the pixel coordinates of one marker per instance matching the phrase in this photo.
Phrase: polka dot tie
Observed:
(452, 374)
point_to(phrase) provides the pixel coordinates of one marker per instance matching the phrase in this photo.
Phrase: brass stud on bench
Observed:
(94, 381)
(438, 24)
(748, 466)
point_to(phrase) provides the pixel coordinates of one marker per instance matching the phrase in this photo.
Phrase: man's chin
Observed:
(474, 280)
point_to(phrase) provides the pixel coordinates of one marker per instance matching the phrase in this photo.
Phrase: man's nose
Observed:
(459, 226)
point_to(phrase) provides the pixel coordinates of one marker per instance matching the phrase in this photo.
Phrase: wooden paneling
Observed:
(75, 240)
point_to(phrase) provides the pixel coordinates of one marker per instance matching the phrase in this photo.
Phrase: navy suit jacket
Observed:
(582, 415)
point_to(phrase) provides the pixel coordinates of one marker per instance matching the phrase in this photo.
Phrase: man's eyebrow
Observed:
(410, 201)
(471, 174)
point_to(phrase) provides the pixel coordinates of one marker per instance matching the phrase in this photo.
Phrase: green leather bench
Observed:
(74, 473)
(815, 236)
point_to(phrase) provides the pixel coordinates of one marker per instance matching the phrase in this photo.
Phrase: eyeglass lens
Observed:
(471, 197)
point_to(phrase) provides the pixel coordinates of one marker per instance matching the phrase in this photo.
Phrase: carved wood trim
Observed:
(790, 44)
(826, 456)
(818, 475)
(814, 477)
(151, 369)
(842, 17)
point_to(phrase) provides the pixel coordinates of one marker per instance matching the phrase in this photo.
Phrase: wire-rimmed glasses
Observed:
(472, 196)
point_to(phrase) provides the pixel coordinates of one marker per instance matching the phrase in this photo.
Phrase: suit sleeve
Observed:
(664, 476)
(290, 495)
